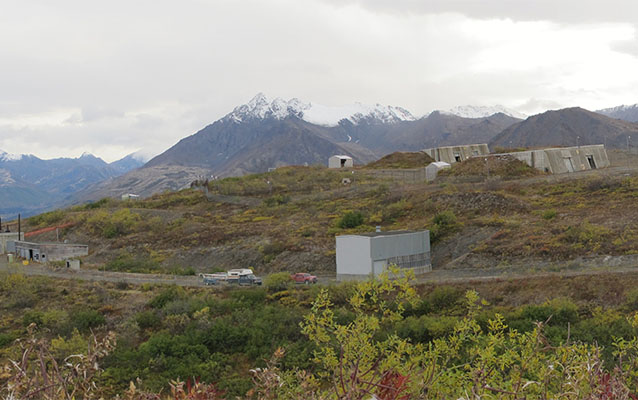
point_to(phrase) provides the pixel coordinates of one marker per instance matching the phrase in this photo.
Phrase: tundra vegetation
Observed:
(572, 338)
(287, 219)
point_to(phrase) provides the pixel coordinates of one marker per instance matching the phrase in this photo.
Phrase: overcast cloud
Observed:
(114, 77)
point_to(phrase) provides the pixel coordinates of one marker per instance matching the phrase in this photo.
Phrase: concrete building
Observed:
(369, 254)
(452, 154)
(7, 239)
(432, 170)
(43, 252)
(130, 196)
(340, 162)
(565, 159)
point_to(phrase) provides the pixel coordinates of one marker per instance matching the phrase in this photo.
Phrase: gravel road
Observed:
(629, 266)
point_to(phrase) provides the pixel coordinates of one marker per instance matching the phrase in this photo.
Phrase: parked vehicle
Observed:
(303, 277)
(240, 276)
(210, 281)
(247, 280)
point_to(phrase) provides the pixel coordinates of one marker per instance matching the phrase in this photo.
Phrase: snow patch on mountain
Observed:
(4, 156)
(483, 111)
(261, 108)
(624, 112)
(612, 110)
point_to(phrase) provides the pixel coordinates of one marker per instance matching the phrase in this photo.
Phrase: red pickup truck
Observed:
(302, 277)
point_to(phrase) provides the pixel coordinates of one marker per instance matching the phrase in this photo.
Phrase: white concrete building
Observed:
(340, 162)
(452, 154)
(369, 254)
(562, 160)
(432, 170)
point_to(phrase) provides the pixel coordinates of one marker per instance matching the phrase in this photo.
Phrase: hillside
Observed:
(567, 127)
(287, 220)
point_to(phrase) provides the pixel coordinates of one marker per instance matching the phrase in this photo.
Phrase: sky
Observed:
(116, 77)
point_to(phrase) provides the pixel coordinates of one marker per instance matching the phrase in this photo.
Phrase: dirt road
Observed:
(630, 266)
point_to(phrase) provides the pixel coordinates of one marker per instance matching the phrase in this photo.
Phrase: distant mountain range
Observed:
(483, 111)
(264, 133)
(30, 185)
(626, 113)
(567, 127)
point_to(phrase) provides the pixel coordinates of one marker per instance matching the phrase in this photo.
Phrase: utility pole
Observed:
(628, 139)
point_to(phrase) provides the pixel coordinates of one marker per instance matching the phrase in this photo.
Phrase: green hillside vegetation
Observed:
(165, 333)
(286, 220)
(401, 160)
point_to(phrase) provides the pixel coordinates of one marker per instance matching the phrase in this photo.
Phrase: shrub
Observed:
(32, 317)
(444, 223)
(147, 320)
(48, 218)
(84, 320)
(166, 296)
(444, 297)
(96, 204)
(276, 200)
(549, 214)
(351, 219)
(631, 300)
(7, 338)
(278, 281)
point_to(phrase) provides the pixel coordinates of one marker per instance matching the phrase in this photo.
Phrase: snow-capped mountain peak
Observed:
(483, 111)
(4, 156)
(618, 108)
(259, 107)
(624, 112)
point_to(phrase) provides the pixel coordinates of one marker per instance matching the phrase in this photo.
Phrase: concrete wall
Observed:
(452, 154)
(43, 252)
(6, 237)
(359, 256)
(564, 160)
(353, 257)
(335, 162)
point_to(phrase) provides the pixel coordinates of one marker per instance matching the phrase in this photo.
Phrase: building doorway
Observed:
(592, 163)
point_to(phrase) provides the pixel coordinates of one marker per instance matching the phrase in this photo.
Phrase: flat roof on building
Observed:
(382, 233)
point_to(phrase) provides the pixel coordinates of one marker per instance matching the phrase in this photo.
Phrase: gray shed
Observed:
(369, 254)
